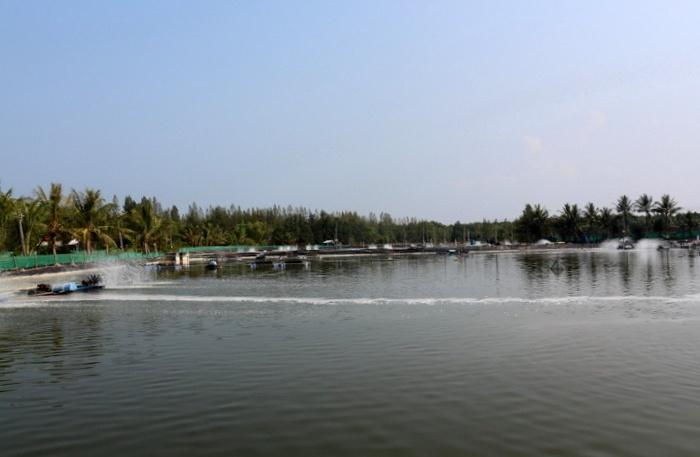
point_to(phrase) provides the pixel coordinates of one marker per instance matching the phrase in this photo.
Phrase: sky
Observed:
(435, 109)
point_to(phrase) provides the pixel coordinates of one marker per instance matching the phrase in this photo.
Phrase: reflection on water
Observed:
(33, 347)
(479, 355)
(593, 272)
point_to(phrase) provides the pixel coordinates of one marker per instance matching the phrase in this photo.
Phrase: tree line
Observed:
(53, 220)
(643, 217)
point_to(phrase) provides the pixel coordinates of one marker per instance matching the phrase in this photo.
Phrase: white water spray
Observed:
(641, 245)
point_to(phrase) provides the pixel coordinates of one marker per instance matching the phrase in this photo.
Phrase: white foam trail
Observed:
(22, 304)
(371, 301)
(10, 284)
(141, 285)
(117, 276)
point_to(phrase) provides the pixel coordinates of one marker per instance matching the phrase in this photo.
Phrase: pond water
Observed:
(426, 355)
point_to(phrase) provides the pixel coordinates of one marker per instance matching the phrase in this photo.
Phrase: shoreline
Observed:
(202, 257)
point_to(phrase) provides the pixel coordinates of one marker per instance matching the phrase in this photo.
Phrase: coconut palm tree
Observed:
(32, 213)
(533, 223)
(167, 229)
(688, 222)
(213, 235)
(624, 209)
(645, 205)
(117, 220)
(570, 219)
(607, 221)
(146, 225)
(666, 208)
(7, 209)
(192, 235)
(590, 215)
(90, 216)
(52, 202)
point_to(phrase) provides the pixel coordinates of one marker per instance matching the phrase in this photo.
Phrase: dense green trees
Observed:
(91, 219)
(592, 220)
(666, 208)
(533, 224)
(596, 224)
(52, 222)
(146, 225)
(624, 209)
(645, 205)
(570, 223)
(52, 202)
(6, 217)
(31, 215)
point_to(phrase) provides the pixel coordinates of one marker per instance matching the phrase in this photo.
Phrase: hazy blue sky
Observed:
(448, 110)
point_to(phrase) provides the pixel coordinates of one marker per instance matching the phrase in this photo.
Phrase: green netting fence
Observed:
(12, 262)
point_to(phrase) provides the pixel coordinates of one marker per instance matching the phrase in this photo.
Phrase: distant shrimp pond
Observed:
(589, 352)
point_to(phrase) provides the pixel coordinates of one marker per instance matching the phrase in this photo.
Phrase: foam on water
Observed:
(320, 301)
(640, 245)
(115, 275)
(609, 245)
(647, 243)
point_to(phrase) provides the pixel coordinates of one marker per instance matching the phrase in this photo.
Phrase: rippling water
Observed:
(487, 355)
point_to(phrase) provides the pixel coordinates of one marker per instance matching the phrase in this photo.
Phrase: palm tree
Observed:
(146, 225)
(213, 235)
(645, 204)
(239, 235)
(52, 202)
(533, 223)
(118, 218)
(192, 236)
(7, 206)
(688, 222)
(607, 221)
(90, 214)
(32, 213)
(624, 208)
(167, 229)
(570, 219)
(590, 215)
(666, 208)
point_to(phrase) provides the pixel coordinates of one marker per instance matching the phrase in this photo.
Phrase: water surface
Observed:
(485, 355)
